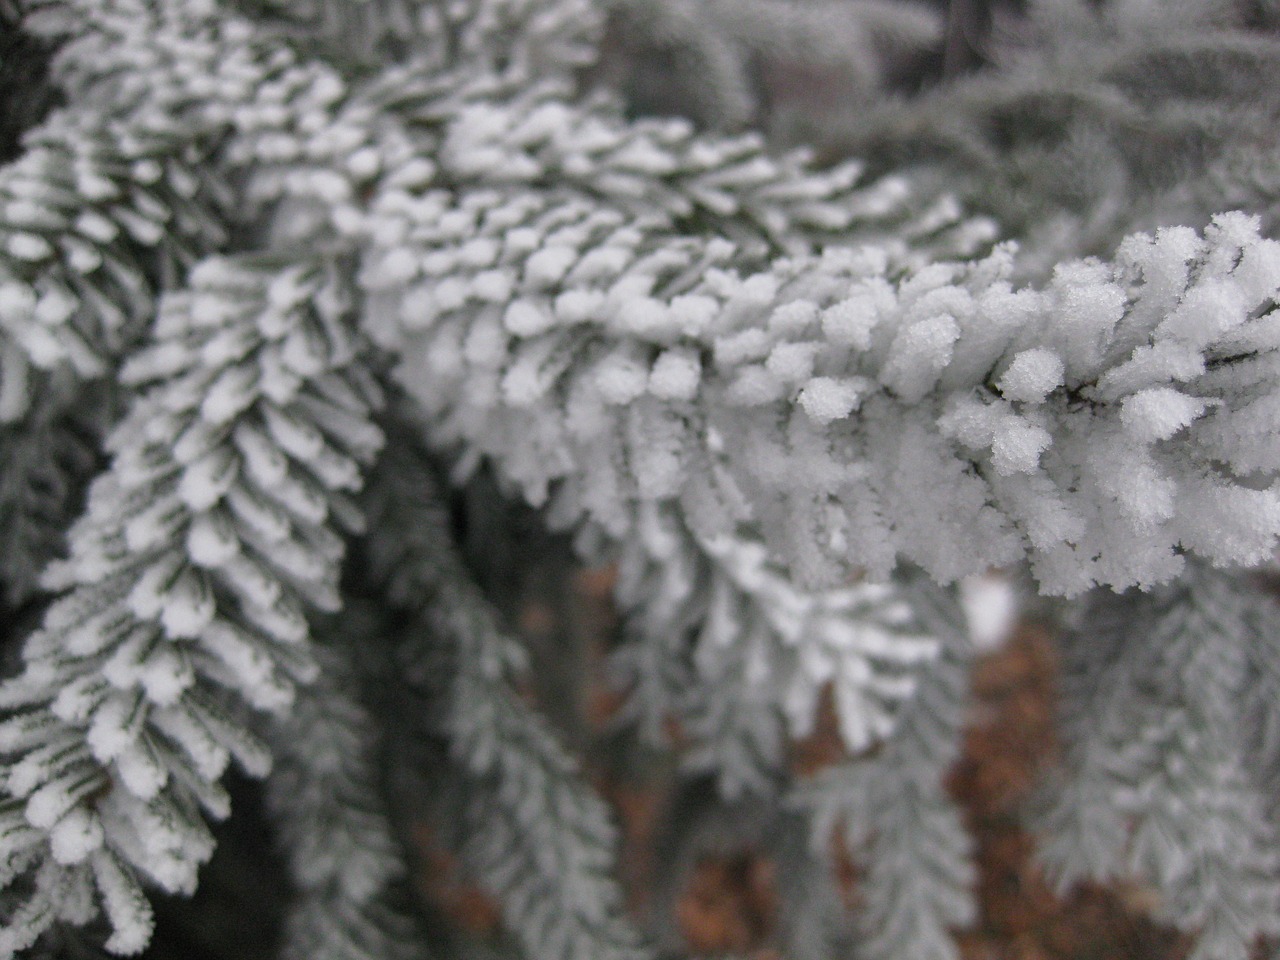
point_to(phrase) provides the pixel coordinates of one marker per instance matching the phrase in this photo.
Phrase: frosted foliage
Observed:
(772, 394)
(41, 466)
(715, 48)
(85, 213)
(535, 834)
(127, 185)
(763, 647)
(531, 37)
(117, 189)
(267, 130)
(856, 419)
(191, 570)
(342, 857)
(1157, 780)
(892, 805)
(530, 816)
(535, 142)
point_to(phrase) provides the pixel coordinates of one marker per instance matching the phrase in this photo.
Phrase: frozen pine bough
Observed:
(285, 285)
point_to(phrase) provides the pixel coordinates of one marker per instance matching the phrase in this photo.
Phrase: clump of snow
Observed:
(1159, 413)
(1032, 376)
(826, 399)
(675, 375)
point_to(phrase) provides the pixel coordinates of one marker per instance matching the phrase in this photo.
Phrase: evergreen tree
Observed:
(285, 283)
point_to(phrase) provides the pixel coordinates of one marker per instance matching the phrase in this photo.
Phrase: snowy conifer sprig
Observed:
(714, 48)
(1161, 778)
(117, 193)
(95, 212)
(856, 416)
(325, 794)
(116, 196)
(218, 525)
(741, 378)
(724, 643)
(531, 38)
(284, 137)
(92, 216)
(543, 137)
(532, 830)
(89, 215)
(918, 877)
(45, 462)
(539, 235)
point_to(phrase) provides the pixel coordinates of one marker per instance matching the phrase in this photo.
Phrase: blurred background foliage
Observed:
(1071, 122)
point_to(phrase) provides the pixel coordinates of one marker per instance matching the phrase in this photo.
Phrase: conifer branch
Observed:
(45, 464)
(217, 527)
(715, 49)
(918, 879)
(743, 379)
(1094, 428)
(95, 212)
(114, 199)
(1156, 783)
(325, 794)
(536, 835)
(542, 137)
(284, 134)
(532, 38)
(725, 644)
